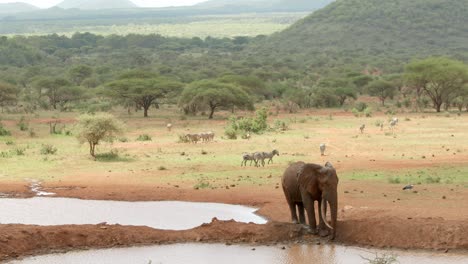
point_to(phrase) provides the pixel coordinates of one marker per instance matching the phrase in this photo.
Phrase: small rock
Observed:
(253, 249)
(443, 197)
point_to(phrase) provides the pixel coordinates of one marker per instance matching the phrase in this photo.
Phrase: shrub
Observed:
(48, 149)
(94, 128)
(201, 185)
(399, 104)
(281, 125)
(9, 143)
(407, 103)
(32, 133)
(230, 133)
(123, 139)
(368, 112)
(113, 155)
(203, 152)
(144, 137)
(360, 106)
(162, 168)
(4, 131)
(394, 180)
(19, 151)
(22, 124)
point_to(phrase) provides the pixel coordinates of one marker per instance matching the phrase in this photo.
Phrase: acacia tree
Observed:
(144, 90)
(59, 91)
(382, 89)
(8, 94)
(95, 128)
(212, 95)
(440, 78)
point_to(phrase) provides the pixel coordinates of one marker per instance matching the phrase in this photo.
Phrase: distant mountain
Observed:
(14, 8)
(267, 5)
(96, 4)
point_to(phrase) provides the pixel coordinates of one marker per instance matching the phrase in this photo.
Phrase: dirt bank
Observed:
(371, 214)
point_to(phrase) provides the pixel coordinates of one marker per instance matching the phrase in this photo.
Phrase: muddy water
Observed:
(160, 215)
(215, 254)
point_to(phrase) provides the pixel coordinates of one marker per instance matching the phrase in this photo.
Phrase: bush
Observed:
(32, 133)
(22, 124)
(144, 137)
(113, 155)
(94, 128)
(9, 143)
(19, 151)
(123, 139)
(3, 131)
(368, 112)
(230, 133)
(281, 125)
(244, 125)
(394, 180)
(48, 149)
(360, 106)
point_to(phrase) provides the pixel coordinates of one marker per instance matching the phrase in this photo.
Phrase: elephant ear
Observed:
(324, 173)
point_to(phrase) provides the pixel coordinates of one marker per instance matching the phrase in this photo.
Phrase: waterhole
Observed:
(216, 254)
(161, 215)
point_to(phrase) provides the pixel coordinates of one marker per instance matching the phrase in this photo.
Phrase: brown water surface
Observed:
(160, 215)
(216, 254)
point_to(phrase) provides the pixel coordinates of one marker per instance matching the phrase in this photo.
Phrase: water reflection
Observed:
(161, 215)
(216, 254)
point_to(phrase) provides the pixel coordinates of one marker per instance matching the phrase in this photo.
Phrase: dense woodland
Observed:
(349, 48)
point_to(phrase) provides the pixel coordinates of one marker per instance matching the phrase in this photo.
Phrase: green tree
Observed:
(8, 94)
(59, 91)
(145, 90)
(213, 94)
(382, 89)
(95, 128)
(439, 77)
(79, 73)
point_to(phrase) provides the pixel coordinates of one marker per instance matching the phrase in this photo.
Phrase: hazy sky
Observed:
(153, 3)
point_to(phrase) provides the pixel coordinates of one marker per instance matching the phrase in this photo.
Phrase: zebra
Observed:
(194, 138)
(246, 157)
(323, 147)
(258, 156)
(269, 156)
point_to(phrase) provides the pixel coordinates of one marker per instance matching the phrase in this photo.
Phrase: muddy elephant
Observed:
(313, 183)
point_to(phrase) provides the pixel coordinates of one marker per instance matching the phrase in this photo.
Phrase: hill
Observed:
(267, 5)
(13, 8)
(96, 4)
(379, 32)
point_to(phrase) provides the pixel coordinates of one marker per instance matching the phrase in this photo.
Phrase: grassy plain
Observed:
(218, 26)
(425, 148)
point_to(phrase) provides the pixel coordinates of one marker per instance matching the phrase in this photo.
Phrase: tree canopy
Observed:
(212, 95)
(143, 89)
(442, 79)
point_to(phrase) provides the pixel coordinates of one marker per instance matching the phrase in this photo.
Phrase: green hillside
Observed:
(378, 32)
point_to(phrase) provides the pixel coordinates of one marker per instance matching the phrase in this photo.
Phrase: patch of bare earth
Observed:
(371, 214)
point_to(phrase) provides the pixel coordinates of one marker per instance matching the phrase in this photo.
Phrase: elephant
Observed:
(312, 183)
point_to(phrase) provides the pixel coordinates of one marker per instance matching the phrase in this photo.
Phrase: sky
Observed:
(145, 3)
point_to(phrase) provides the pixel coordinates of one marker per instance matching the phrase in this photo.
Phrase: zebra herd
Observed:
(392, 123)
(204, 137)
(259, 158)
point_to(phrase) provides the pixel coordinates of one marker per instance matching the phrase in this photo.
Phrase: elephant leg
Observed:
(292, 208)
(309, 206)
(300, 208)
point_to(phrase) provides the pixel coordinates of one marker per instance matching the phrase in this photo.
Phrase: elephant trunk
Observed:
(333, 201)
